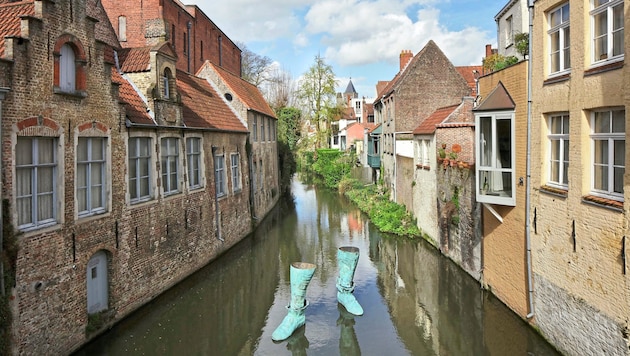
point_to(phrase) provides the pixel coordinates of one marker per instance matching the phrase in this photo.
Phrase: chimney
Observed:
(488, 50)
(405, 57)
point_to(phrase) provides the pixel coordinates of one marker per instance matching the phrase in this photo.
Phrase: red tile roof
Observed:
(245, 91)
(133, 60)
(203, 107)
(427, 127)
(467, 73)
(136, 108)
(10, 20)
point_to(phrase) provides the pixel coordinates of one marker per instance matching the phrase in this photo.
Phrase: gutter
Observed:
(208, 129)
(528, 189)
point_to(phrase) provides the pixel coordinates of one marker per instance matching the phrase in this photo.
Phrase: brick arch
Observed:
(43, 125)
(92, 127)
(80, 60)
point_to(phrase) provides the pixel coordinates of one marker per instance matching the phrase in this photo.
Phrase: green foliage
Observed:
(521, 42)
(96, 322)
(497, 62)
(332, 166)
(289, 126)
(388, 216)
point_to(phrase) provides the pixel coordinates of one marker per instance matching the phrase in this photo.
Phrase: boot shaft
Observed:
(301, 275)
(347, 257)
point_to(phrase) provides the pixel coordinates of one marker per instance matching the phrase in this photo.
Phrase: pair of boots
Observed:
(301, 274)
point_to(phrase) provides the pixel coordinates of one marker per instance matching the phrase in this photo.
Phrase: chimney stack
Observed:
(488, 50)
(405, 57)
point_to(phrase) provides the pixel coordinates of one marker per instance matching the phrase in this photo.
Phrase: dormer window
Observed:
(69, 66)
(167, 79)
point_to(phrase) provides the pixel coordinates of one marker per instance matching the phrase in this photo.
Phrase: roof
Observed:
(497, 99)
(380, 86)
(350, 88)
(136, 108)
(203, 107)
(133, 60)
(427, 126)
(10, 20)
(468, 73)
(244, 90)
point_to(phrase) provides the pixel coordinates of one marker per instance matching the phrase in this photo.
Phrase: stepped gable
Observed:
(247, 92)
(136, 108)
(203, 107)
(427, 127)
(103, 31)
(10, 13)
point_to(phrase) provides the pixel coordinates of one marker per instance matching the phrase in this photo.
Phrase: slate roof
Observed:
(427, 127)
(350, 88)
(245, 91)
(203, 107)
(10, 20)
(136, 108)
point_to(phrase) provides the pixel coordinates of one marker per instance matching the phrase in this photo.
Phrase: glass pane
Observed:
(600, 2)
(617, 17)
(485, 140)
(618, 179)
(45, 207)
(600, 36)
(555, 150)
(565, 175)
(133, 147)
(133, 190)
(554, 18)
(504, 136)
(172, 163)
(618, 43)
(97, 149)
(82, 199)
(602, 122)
(565, 124)
(82, 149)
(565, 154)
(601, 152)
(144, 187)
(143, 166)
(619, 121)
(555, 125)
(555, 171)
(133, 171)
(97, 197)
(82, 175)
(567, 45)
(24, 151)
(601, 178)
(143, 147)
(97, 174)
(173, 182)
(554, 41)
(45, 180)
(620, 153)
(24, 209)
(565, 13)
(46, 150)
(24, 182)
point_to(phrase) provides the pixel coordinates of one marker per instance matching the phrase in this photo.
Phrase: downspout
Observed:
(2, 92)
(528, 188)
(189, 26)
(216, 196)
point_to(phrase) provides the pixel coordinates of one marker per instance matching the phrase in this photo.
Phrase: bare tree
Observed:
(279, 89)
(254, 67)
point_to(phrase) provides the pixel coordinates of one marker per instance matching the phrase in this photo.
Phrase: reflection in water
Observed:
(416, 302)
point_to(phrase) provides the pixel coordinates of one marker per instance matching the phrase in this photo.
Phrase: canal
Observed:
(416, 301)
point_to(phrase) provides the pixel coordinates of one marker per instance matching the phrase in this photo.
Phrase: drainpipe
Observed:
(188, 25)
(2, 92)
(528, 188)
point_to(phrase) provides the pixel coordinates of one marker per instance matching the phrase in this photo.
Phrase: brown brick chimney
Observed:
(488, 50)
(405, 57)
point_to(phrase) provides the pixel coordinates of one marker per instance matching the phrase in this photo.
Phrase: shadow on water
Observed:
(416, 301)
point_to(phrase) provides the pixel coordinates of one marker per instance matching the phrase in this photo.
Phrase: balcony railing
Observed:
(374, 160)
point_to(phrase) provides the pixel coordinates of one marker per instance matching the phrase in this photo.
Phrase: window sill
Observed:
(603, 202)
(559, 192)
(607, 66)
(76, 94)
(557, 79)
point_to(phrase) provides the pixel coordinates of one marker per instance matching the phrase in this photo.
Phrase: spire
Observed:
(350, 88)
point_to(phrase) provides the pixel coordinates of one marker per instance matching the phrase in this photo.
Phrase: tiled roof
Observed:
(245, 91)
(467, 73)
(203, 107)
(10, 19)
(133, 60)
(380, 87)
(136, 109)
(427, 126)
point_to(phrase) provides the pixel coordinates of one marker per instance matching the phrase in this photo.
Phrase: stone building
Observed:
(579, 185)
(123, 173)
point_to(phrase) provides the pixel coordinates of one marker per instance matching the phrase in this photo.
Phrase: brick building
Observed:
(123, 173)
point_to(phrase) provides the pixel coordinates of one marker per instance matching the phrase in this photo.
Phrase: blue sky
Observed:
(360, 39)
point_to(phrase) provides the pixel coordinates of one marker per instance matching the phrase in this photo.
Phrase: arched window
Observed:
(69, 66)
(67, 69)
(167, 80)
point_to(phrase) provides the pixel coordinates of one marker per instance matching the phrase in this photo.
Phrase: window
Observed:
(170, 165)
(559, 39)
(173, 34)
(495, 154)
(255, 127)
(193, 150)
(139, 168)
(122, 28)
(607, 23)
(509, 31)
(185, 42)
(262, 129)
(166, 90)
(236, 174)
(219, 175)
(609, 152)
(261, 173)
(36, 183)
(67, 69)
(91, 188)
(201, 50)
(422, 155)
(559, 150)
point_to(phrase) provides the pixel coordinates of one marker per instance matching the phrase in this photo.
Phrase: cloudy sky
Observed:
(361, 39)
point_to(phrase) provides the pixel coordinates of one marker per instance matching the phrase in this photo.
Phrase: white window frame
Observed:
(169, 157)
(94, 185)
(219, 175)
(140, 162)
(560, 26)
(67, 69)
(614, 141)
(509, 31)
(606, 7)
(28, 191)
(235, 169)
(559, 158)
(489, 173)
(193, 153)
